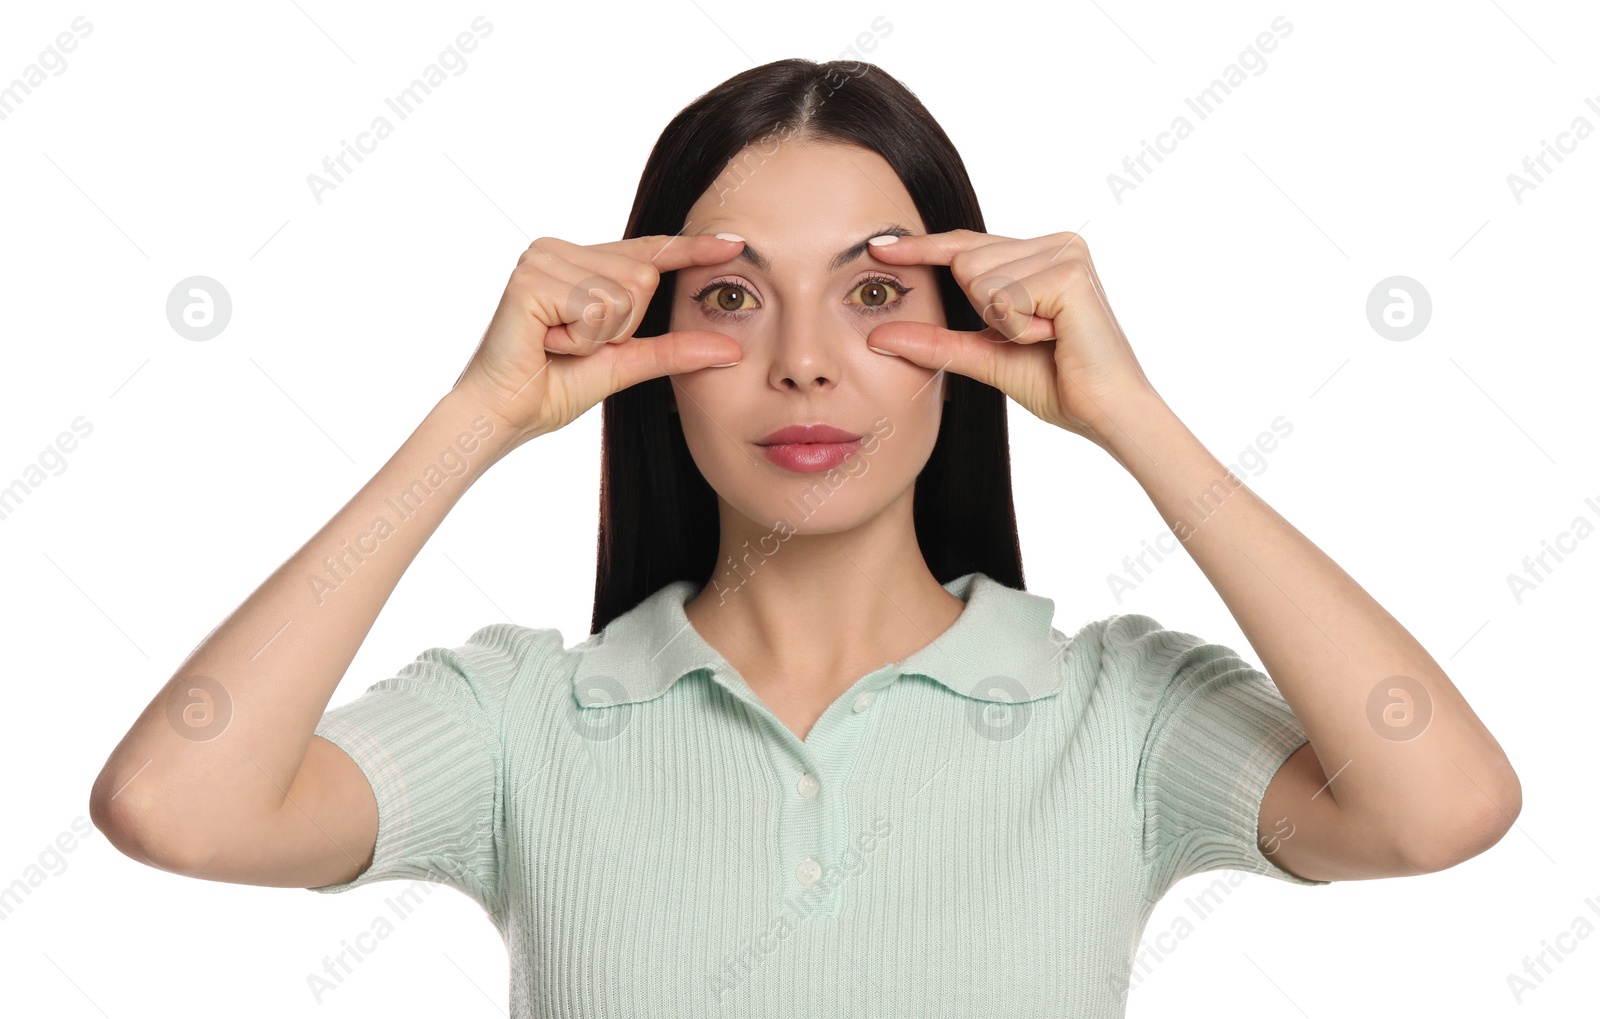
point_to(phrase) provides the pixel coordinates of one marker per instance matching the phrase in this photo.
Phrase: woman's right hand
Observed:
(562, 338)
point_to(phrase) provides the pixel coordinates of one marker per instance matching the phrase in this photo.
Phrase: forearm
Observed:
(222, 740)
(1330, 648)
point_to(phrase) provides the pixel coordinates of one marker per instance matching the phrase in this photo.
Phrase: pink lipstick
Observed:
(807, 448)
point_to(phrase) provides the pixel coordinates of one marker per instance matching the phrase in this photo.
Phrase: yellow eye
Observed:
(876, 293)
(722, 304)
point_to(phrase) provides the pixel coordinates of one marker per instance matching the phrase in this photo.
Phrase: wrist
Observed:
(1125, 419)
(476, 426)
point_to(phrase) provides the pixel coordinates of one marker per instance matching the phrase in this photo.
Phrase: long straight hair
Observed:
(659, 518)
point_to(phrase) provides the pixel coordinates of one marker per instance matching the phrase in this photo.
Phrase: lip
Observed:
(794, 435)
(808, 448)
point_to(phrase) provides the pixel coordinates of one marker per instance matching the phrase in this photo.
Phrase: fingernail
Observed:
(883, 239)
(727, 237)
(730, 364)
(882, 351)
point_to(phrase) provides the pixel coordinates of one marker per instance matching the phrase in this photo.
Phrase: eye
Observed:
(730, 303)
(722, 306)
(879, 301)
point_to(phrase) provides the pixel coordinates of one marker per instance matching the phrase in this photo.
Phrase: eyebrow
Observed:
(842, 259)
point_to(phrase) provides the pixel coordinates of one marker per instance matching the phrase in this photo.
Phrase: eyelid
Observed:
(872, 275)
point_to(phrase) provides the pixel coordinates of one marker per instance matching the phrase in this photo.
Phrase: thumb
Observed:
(980, 355)
(641, 358)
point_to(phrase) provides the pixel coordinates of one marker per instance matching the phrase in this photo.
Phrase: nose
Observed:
(809, 351)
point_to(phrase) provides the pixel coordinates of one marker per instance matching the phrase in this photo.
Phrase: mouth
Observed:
(808, 448)
(806, 435)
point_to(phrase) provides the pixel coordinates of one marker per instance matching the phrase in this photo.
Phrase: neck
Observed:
(821, 610)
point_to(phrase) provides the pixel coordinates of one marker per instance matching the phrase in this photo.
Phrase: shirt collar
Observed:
(1001, 648)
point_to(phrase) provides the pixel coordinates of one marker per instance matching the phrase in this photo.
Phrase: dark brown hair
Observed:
(658, 515)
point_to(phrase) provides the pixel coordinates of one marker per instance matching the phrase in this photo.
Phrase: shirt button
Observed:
(808, 871)
(864, 701)
(808, 785)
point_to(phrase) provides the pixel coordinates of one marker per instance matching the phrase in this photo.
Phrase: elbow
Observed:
(119, 825)
(1469, 831)
(128, 828)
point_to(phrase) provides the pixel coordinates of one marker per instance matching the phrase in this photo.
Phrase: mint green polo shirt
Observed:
(982, 828)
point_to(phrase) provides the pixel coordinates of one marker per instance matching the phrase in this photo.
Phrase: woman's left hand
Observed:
(1052, 343)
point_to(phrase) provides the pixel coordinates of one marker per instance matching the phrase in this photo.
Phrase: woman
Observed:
(820, 751)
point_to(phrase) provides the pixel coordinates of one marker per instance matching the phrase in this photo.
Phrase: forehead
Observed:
(803, 198)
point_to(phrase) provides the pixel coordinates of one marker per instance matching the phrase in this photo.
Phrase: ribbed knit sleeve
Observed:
(1214, 732)
(430, 741)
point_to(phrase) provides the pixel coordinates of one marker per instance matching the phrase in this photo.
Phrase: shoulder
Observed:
(1153, 668)
(1126, 643)
(1147, 652)
(514, 642)
(485, 668)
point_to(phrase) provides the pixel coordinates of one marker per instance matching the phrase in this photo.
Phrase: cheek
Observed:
(709, 412)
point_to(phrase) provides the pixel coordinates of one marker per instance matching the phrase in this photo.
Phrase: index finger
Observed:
(931, 249)
(676, 251)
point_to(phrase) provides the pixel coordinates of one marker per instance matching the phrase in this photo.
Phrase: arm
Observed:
(1359, 800)
(205, 782)
(223, 776)
(1391, 783)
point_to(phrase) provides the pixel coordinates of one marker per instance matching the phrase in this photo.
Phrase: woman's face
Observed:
(803, 324)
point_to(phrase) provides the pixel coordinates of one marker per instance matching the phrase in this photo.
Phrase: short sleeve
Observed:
(1213, 732)
(430, 742)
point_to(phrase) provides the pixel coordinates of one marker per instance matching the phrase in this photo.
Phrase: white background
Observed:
(1376, 142)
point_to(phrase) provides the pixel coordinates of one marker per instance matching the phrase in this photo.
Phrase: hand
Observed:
(562, 338)
(1052, 344)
